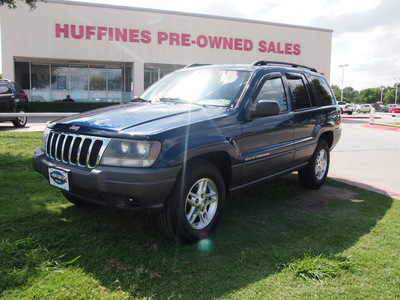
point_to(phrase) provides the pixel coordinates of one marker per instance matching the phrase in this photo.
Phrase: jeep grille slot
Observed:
(73, 149)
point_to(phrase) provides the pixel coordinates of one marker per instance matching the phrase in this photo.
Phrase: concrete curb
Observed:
(364, 186)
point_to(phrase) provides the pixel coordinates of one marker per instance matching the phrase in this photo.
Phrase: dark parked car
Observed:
(194, 137)
(13, 99)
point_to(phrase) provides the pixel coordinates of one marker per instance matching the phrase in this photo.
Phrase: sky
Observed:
(366, 33)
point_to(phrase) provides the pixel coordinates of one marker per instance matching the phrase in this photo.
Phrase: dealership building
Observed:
(96, 52)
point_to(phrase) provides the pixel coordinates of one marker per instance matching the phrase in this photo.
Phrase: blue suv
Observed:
(191, 139)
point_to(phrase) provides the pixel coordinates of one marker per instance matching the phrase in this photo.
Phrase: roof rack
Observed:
(195, 65)
(265, 62)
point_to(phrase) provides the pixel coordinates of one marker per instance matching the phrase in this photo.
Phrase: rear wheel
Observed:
(20, 121)
(192, 211)
(314, 175)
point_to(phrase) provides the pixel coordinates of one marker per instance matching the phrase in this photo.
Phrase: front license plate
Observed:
(59, 178)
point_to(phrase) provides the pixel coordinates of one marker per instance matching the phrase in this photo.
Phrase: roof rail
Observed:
(195, 65)
(265, 62)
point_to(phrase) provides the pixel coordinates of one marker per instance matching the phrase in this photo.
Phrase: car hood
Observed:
(136, 118)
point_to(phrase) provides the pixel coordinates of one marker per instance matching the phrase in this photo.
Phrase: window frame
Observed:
(260, 85)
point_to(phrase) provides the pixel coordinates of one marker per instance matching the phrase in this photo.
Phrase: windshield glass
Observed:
(199, 86)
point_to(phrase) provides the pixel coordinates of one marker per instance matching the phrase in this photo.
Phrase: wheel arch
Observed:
(328, 137)
(221, 160)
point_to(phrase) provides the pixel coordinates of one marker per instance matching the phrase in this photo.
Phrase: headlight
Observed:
(44, 138)
(127, 153)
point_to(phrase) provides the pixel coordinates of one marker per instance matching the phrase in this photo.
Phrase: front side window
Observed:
(200, 86)
(273, 89)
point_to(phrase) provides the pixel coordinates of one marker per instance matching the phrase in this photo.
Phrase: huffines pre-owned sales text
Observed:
(176, 39)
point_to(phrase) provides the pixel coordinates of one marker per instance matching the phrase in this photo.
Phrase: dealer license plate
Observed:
(59, 178)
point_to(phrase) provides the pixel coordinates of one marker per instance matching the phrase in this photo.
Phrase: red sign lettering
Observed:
(175, 39)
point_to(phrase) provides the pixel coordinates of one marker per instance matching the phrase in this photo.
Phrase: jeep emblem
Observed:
(75, 128)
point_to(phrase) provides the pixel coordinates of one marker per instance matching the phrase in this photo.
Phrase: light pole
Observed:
(382, 94)
(342, 66)
(395, 97)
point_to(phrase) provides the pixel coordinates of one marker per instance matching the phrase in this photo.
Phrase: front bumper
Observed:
(128, 188)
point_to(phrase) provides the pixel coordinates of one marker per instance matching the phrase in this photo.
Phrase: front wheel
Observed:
(192, 211)
(315, 173)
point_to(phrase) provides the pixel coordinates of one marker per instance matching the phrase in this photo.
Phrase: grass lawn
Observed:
(275, 241)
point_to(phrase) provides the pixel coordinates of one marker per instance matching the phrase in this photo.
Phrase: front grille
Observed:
(80, 150)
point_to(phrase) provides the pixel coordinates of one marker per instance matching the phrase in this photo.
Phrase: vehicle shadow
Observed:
(260, 231)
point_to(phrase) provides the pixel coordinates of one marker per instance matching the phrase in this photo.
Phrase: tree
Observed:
(12, 3)
(337, 91)
(389, 94)
(349, 94)
(370, 95)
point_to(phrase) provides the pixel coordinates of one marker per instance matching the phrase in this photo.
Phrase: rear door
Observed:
(308, 117)
(6, 98)
(267, 142)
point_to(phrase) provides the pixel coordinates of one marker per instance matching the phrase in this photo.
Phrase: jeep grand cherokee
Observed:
(193, 138)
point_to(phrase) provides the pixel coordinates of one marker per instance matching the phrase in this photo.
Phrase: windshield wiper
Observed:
(138, 99)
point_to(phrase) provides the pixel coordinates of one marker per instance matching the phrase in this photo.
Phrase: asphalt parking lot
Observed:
(366, 155)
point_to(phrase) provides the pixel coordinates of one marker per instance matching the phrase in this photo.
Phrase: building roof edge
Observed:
(186, 14)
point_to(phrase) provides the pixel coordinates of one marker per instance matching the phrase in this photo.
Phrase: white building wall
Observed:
(156, 37)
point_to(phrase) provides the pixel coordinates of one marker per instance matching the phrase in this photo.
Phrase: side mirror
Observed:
(264, 108)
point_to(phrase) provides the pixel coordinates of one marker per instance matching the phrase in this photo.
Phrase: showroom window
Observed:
(154, 72)
(83, 82)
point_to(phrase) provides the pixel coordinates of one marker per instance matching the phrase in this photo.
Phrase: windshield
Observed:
(199, 86)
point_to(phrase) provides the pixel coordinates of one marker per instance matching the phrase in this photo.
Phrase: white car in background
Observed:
(346, 108)
(363, 108)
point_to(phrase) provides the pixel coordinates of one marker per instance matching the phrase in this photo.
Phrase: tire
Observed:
(77, 201)
(20, 121)
(315, 173)
(193, 208)
(350, 113)
(358, 111)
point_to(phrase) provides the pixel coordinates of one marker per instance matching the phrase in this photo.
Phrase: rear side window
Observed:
(18, 88)
(5, 89)
(323, 91)
(300, 96)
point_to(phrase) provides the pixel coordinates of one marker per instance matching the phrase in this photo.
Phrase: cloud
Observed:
(385, 13)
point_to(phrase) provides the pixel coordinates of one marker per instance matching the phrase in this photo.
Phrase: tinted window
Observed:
(273, 90)
(299, 93)
(5, 89)
(18, 88)
(323, 91)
